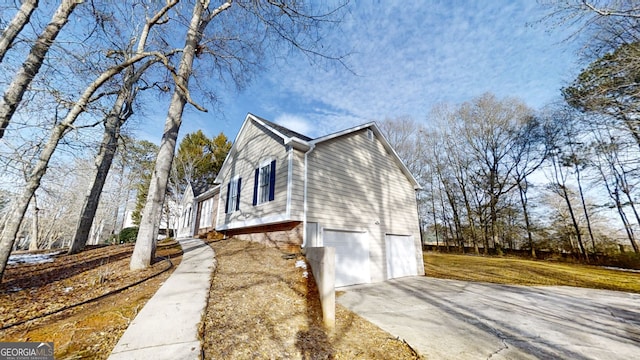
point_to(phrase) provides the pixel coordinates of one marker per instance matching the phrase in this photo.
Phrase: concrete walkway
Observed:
(167, 326)
(448, 319)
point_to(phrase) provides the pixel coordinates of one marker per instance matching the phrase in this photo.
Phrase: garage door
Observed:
(352, 256)
(401, 256)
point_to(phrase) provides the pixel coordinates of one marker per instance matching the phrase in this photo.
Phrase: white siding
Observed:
(297, 185)
(354, 184)
(254, 146)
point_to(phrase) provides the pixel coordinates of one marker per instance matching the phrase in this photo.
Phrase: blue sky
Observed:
(407, 56)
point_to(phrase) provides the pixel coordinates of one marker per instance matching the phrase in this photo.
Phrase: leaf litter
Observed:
(31, 290)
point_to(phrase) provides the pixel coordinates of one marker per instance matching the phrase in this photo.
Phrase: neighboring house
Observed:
(347, 190)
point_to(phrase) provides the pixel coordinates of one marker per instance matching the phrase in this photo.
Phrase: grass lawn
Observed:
(517, 271)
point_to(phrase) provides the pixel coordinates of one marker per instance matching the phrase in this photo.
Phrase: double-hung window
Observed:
(233, 195)
(264, 186)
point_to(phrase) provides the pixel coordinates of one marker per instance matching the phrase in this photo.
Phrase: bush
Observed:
(128, 235)
(627, 260)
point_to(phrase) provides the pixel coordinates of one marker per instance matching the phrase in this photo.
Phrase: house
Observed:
(185, 214)
(196, 211)
(207, 210)
(347, 190)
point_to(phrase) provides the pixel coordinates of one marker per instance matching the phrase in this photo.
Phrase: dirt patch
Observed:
(261, 306)
(31, 291)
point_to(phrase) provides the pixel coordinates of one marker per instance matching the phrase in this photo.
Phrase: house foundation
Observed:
(283, 236)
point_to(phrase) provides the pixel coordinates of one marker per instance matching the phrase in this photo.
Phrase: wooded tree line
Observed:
(566, 178)
(497, 175)
(76, 74)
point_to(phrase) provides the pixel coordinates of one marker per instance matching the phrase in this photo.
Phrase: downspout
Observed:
(304, 216)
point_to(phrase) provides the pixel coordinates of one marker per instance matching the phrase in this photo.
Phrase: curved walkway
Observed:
(448, 319)
(167, 326)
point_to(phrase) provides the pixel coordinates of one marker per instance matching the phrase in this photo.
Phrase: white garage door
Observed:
(401, 256)
(352, 256)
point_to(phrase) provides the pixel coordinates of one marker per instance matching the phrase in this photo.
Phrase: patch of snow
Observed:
(32, 258)
(301, 264)
(67, 289)
(621, 269)
(305, 274)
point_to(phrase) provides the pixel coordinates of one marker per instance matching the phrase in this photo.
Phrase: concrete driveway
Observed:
(447, 319)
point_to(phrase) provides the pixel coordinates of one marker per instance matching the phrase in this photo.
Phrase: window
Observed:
(233, 195)
(370, 134)
(264, 185)
(206, 216)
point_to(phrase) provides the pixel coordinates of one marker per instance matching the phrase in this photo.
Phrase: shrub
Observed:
(128, 235)
(627, 260)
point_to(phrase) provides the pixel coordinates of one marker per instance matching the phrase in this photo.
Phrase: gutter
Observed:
(304, 216)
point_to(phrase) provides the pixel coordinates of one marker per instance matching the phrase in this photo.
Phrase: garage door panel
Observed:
(401, 256)
(352, 256)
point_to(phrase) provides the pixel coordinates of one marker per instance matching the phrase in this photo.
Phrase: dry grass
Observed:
(508, 270)
(262, 307)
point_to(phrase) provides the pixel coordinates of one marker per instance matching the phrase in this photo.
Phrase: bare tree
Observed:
(120, 112)
(559, 186)
(491, 128)
(619, 174)
(16, 25)
(15, 91)
(278, 20)
(61, 128)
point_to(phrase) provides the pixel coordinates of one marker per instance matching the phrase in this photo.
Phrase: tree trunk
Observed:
(625, 222)
(103, 162)
(145, 248)
(15, 91)
(574, 222)
(584, 208)
(17, 24)
(472, 225)
(33, 243)
(523, 201)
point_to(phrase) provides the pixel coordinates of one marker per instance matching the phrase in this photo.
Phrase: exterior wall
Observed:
(254, 146)
(212, 210)
(354, 184)
(187, 214)
(286, 235)
(296, 185)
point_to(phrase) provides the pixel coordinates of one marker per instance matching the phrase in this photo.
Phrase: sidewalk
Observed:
(167, 326)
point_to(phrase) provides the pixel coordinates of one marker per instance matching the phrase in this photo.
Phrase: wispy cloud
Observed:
(407, 56)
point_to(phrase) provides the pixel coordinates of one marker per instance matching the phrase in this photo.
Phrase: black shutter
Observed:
(255, 187)
(239, 187)
(226, 205)
(272, 181)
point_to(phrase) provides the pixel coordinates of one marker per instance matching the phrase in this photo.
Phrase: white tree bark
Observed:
(145, 248)
(15, 91)
(16, 25)
(118, 115)
(33, 243)
(10, 231)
